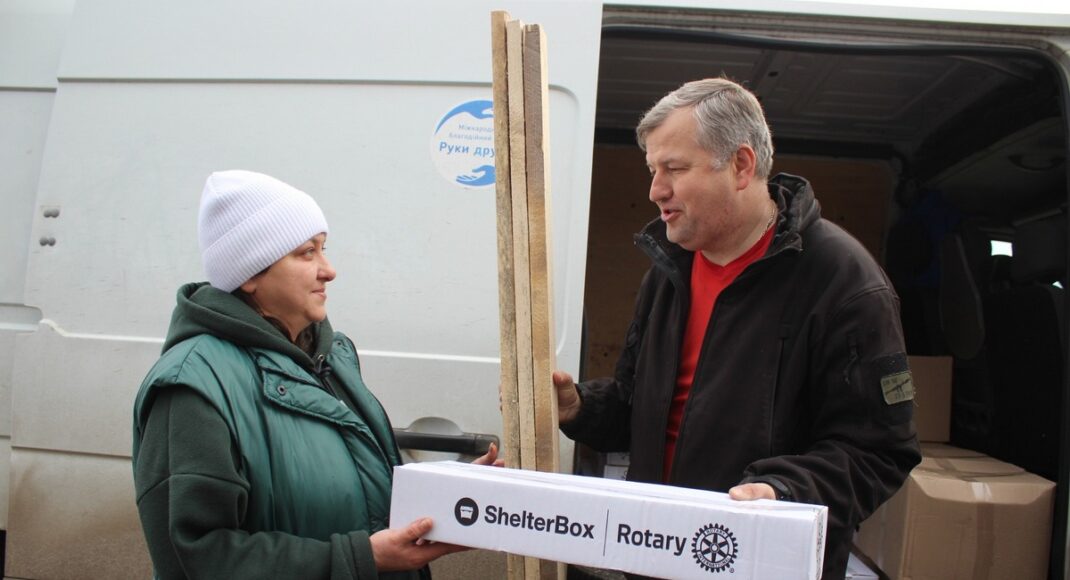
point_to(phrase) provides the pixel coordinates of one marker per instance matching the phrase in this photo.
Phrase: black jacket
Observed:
(788, 388)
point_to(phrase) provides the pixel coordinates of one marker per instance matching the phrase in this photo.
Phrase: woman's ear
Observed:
(249, 287)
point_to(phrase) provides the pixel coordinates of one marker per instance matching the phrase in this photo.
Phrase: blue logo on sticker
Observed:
(462, 145)
(484, 175)
(478, 109)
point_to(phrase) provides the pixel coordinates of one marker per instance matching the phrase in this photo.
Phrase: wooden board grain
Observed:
(521, 258)
(536, 113)
(525, 285)
(506, 300)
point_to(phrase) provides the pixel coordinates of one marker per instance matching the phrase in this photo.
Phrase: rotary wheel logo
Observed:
(714, 548)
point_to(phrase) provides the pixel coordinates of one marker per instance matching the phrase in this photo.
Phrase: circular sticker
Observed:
(462, 145)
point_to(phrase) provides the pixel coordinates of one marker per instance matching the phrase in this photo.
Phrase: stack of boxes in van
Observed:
(960, 514)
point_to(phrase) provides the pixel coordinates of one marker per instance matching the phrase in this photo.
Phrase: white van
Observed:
(932, 135)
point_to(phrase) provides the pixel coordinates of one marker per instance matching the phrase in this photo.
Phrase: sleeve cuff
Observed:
(363, 558)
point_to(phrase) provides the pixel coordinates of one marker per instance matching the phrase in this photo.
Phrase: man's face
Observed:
(700, 204)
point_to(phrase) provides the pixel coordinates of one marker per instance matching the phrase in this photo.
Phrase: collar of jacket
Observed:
(202, 309)
(288, 385)
(797, 209)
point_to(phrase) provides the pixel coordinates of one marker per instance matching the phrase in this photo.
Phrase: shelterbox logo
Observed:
(466, 510)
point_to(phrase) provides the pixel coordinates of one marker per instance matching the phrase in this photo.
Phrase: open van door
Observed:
(918, 128)
(381, 111)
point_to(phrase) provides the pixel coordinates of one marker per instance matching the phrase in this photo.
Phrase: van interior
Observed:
(946, 160)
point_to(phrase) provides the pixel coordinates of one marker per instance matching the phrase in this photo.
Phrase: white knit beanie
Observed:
(248, 221)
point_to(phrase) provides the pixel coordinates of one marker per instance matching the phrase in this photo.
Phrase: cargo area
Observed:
(945, 157)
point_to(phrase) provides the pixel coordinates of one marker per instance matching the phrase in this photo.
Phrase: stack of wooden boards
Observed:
(521, 143)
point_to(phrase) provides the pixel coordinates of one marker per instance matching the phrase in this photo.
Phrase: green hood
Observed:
(203, 309)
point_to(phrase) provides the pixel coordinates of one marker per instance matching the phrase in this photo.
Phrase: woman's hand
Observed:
(398, 549)
(490, 458)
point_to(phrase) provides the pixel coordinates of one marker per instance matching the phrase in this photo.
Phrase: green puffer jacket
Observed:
(265, 461)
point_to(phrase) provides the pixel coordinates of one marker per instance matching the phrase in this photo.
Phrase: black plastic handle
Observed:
(465, 444)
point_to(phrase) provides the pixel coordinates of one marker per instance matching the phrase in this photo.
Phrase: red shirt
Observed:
(707, 282)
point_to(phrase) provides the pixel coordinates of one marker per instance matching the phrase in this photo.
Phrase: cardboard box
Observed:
(932, 397)
(654, 530)
(962, 514)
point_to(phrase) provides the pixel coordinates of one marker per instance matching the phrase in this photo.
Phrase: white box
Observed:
(655, 530)
(858, 570)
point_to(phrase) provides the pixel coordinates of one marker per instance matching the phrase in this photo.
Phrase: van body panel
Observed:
(342, 100)
(73, 516)
(32, 34)
(31, 40)
(76, 377)
(329, 40)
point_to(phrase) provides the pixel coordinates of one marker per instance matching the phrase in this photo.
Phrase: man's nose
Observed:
(660, 189)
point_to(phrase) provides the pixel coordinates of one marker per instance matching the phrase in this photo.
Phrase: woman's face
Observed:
(294, 289)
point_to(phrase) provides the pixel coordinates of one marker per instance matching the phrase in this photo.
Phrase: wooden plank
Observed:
(536, 112)
(521, 264)
(521, 271)
(517, 567)
(536, 147)
(506, 301)
(529, 411)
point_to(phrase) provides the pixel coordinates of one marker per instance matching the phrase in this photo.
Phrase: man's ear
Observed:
(744, 162)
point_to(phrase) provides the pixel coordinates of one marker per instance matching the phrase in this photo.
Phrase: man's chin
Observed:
(679, 240)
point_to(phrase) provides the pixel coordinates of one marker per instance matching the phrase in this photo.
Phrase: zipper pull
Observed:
(321, 367)
(323, 370)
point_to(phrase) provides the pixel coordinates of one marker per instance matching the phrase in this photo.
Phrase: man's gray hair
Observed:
(728, 116)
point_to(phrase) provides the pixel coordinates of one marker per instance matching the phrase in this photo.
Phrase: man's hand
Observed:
(749, 491)
(568, 398)
(404, 549)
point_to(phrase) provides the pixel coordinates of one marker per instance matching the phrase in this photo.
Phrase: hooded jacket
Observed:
(802, 380)
(253, 459)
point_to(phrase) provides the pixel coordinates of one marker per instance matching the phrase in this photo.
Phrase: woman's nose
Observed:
(327, 271)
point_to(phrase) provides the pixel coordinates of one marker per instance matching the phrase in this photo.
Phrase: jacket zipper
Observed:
(323, 371)
(660, 257)
(852, 345)
(662, 260)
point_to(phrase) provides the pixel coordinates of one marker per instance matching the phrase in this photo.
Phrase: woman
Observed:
(258, 450)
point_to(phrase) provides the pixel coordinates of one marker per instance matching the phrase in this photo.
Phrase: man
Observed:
(765, 356)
